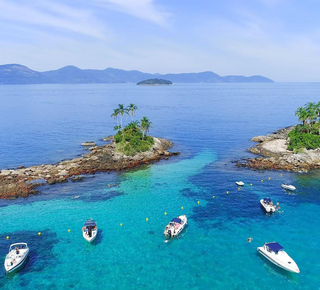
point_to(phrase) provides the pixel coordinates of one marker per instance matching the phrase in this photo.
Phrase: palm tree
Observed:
(302, 115)
(132, 108)
(145, 125)
(122, 111)
(115, 115)
(311, 110)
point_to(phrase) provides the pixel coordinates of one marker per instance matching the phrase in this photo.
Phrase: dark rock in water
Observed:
(77, 178)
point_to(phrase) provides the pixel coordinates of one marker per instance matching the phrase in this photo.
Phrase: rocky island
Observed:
(295, 148)
(128, 148)
(23, 181)
(154, 82)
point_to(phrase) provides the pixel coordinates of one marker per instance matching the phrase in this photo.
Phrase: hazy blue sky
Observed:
(279, 39)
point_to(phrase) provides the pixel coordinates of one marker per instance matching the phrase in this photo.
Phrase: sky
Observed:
(278, 39)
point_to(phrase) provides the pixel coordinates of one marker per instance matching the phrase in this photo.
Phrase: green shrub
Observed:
(299, 140)
(129, 141)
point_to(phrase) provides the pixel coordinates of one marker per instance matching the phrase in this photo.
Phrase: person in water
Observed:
(250, 239)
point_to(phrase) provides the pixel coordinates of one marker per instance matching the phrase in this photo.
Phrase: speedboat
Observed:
(175, 226)
(240, 183)
(90, 230)
(275, 254)
(16, 257)
(268, 204)
(288, 186)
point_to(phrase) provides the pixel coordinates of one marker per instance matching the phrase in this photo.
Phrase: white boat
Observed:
(288, 186)
(240, 183)
(175, 226)
(18, 254)
(268, 204)
(90, 230)
(275, 254)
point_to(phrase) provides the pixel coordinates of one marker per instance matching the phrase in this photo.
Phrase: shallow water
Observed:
(211, 124)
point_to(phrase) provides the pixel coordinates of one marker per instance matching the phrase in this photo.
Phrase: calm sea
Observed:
(211, 125)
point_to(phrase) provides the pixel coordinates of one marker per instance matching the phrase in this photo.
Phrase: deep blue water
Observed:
(211, 125)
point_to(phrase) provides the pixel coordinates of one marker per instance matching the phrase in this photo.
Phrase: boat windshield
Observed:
(275, 247)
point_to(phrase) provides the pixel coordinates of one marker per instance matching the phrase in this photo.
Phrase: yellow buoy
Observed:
(250, 184)
(261, 180)
(7, 237)
(39, 234)
(238, 188)
(280, 174)
(227, 192)
(147, 219)
(182, 207)
(213, 197)
(69, 231)
(269, 178)
(165, 213)
(121, 225)
(198, 202)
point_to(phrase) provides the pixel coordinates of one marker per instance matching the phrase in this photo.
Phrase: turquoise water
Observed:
(211, 125)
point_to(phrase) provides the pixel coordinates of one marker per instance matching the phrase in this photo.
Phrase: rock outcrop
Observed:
(275, 155)
(23, 181)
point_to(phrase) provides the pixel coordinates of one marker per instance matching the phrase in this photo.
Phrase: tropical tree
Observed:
(115, 115)
(312, 114)
(131, 109)
(122, 111)
(145, 125)
(302, 115)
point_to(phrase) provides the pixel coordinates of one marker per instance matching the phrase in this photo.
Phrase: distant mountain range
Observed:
(19, 74)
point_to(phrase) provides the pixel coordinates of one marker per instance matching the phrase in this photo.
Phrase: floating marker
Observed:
(121, 225)
(269, 178)
(250, 184)
(69, 231)
(39, 234)
(238, 188)
(227, 192)
(182, 207)
(198, 202)
(261, 180)
(147, 219)
(7, 237)
(213, 197)
(165, 213)
(280, 174)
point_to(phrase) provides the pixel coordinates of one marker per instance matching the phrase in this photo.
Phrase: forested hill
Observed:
(19, 74)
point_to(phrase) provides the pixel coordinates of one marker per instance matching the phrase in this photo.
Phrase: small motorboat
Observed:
(18, 254)
(240, 183)
(288, 186)
(90, 230)
(275, 254)
(268, 204)
(175, 226)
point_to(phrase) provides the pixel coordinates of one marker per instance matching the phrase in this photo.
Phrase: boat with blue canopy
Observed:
(175, 226)
(275, 253)
(267, 204)
(90, 230)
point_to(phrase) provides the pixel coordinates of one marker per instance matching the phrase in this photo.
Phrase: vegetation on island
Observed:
(307, 134)
(152, 82)
(132, 138)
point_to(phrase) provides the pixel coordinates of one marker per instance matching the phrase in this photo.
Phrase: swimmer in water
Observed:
(250, 239)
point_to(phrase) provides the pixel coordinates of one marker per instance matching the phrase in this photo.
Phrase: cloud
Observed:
(144, 9)
(42, 14)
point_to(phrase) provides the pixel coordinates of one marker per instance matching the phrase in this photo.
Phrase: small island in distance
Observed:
(154, 82)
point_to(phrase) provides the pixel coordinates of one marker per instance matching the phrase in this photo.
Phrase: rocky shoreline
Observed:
(275, 155)
(23, 181)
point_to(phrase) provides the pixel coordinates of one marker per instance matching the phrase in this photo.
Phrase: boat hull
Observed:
(292, 267)
(267, 208)
(88, 238)
(12, 263)
(288, 187)
(173, 231)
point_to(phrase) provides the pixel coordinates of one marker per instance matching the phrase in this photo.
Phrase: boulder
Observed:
(90, 143)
